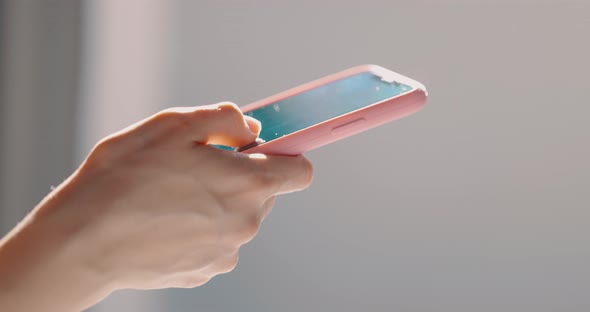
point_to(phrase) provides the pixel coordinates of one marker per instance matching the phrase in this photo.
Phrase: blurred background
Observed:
(480, 202)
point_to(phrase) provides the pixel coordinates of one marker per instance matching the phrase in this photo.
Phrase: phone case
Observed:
(345, 125)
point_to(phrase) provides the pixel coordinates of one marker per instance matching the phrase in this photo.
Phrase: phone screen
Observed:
(323, 103)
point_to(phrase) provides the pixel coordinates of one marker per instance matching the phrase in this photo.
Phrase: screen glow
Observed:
(323, 103)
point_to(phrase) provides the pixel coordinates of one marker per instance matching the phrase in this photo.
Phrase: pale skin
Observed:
(152, 206)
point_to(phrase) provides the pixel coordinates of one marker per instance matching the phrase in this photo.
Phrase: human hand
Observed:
(153, 206)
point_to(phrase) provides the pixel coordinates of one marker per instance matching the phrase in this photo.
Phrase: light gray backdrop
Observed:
(478, 203)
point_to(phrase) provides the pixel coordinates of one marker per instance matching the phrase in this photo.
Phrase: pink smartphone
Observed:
(332, 108)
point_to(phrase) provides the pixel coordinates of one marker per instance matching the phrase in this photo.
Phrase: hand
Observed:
(153, 206)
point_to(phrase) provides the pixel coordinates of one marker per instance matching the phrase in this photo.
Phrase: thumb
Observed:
(221, 124)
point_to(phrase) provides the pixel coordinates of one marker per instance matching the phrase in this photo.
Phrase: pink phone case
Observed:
(345, 125)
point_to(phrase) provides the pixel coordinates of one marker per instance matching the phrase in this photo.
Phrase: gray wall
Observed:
(478, 203)
(38, 97)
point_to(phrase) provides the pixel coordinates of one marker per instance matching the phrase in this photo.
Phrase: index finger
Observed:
(281, 174)
(266, 175)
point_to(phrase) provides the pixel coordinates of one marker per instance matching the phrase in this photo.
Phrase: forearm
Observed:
(41, 269)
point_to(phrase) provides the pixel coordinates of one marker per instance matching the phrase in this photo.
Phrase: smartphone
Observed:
(332, 108)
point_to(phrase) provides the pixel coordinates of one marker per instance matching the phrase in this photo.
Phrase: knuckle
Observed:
(173, 118)
(248, 230)
(230, 112)
(267, 207)
(102, 154)
(192, 282)
(230, 264)
(105, 146)
(262, 180)
(307, 171)
(228, 108)
(224, 112)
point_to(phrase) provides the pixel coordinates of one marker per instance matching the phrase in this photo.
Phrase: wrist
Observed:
(45, 265)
